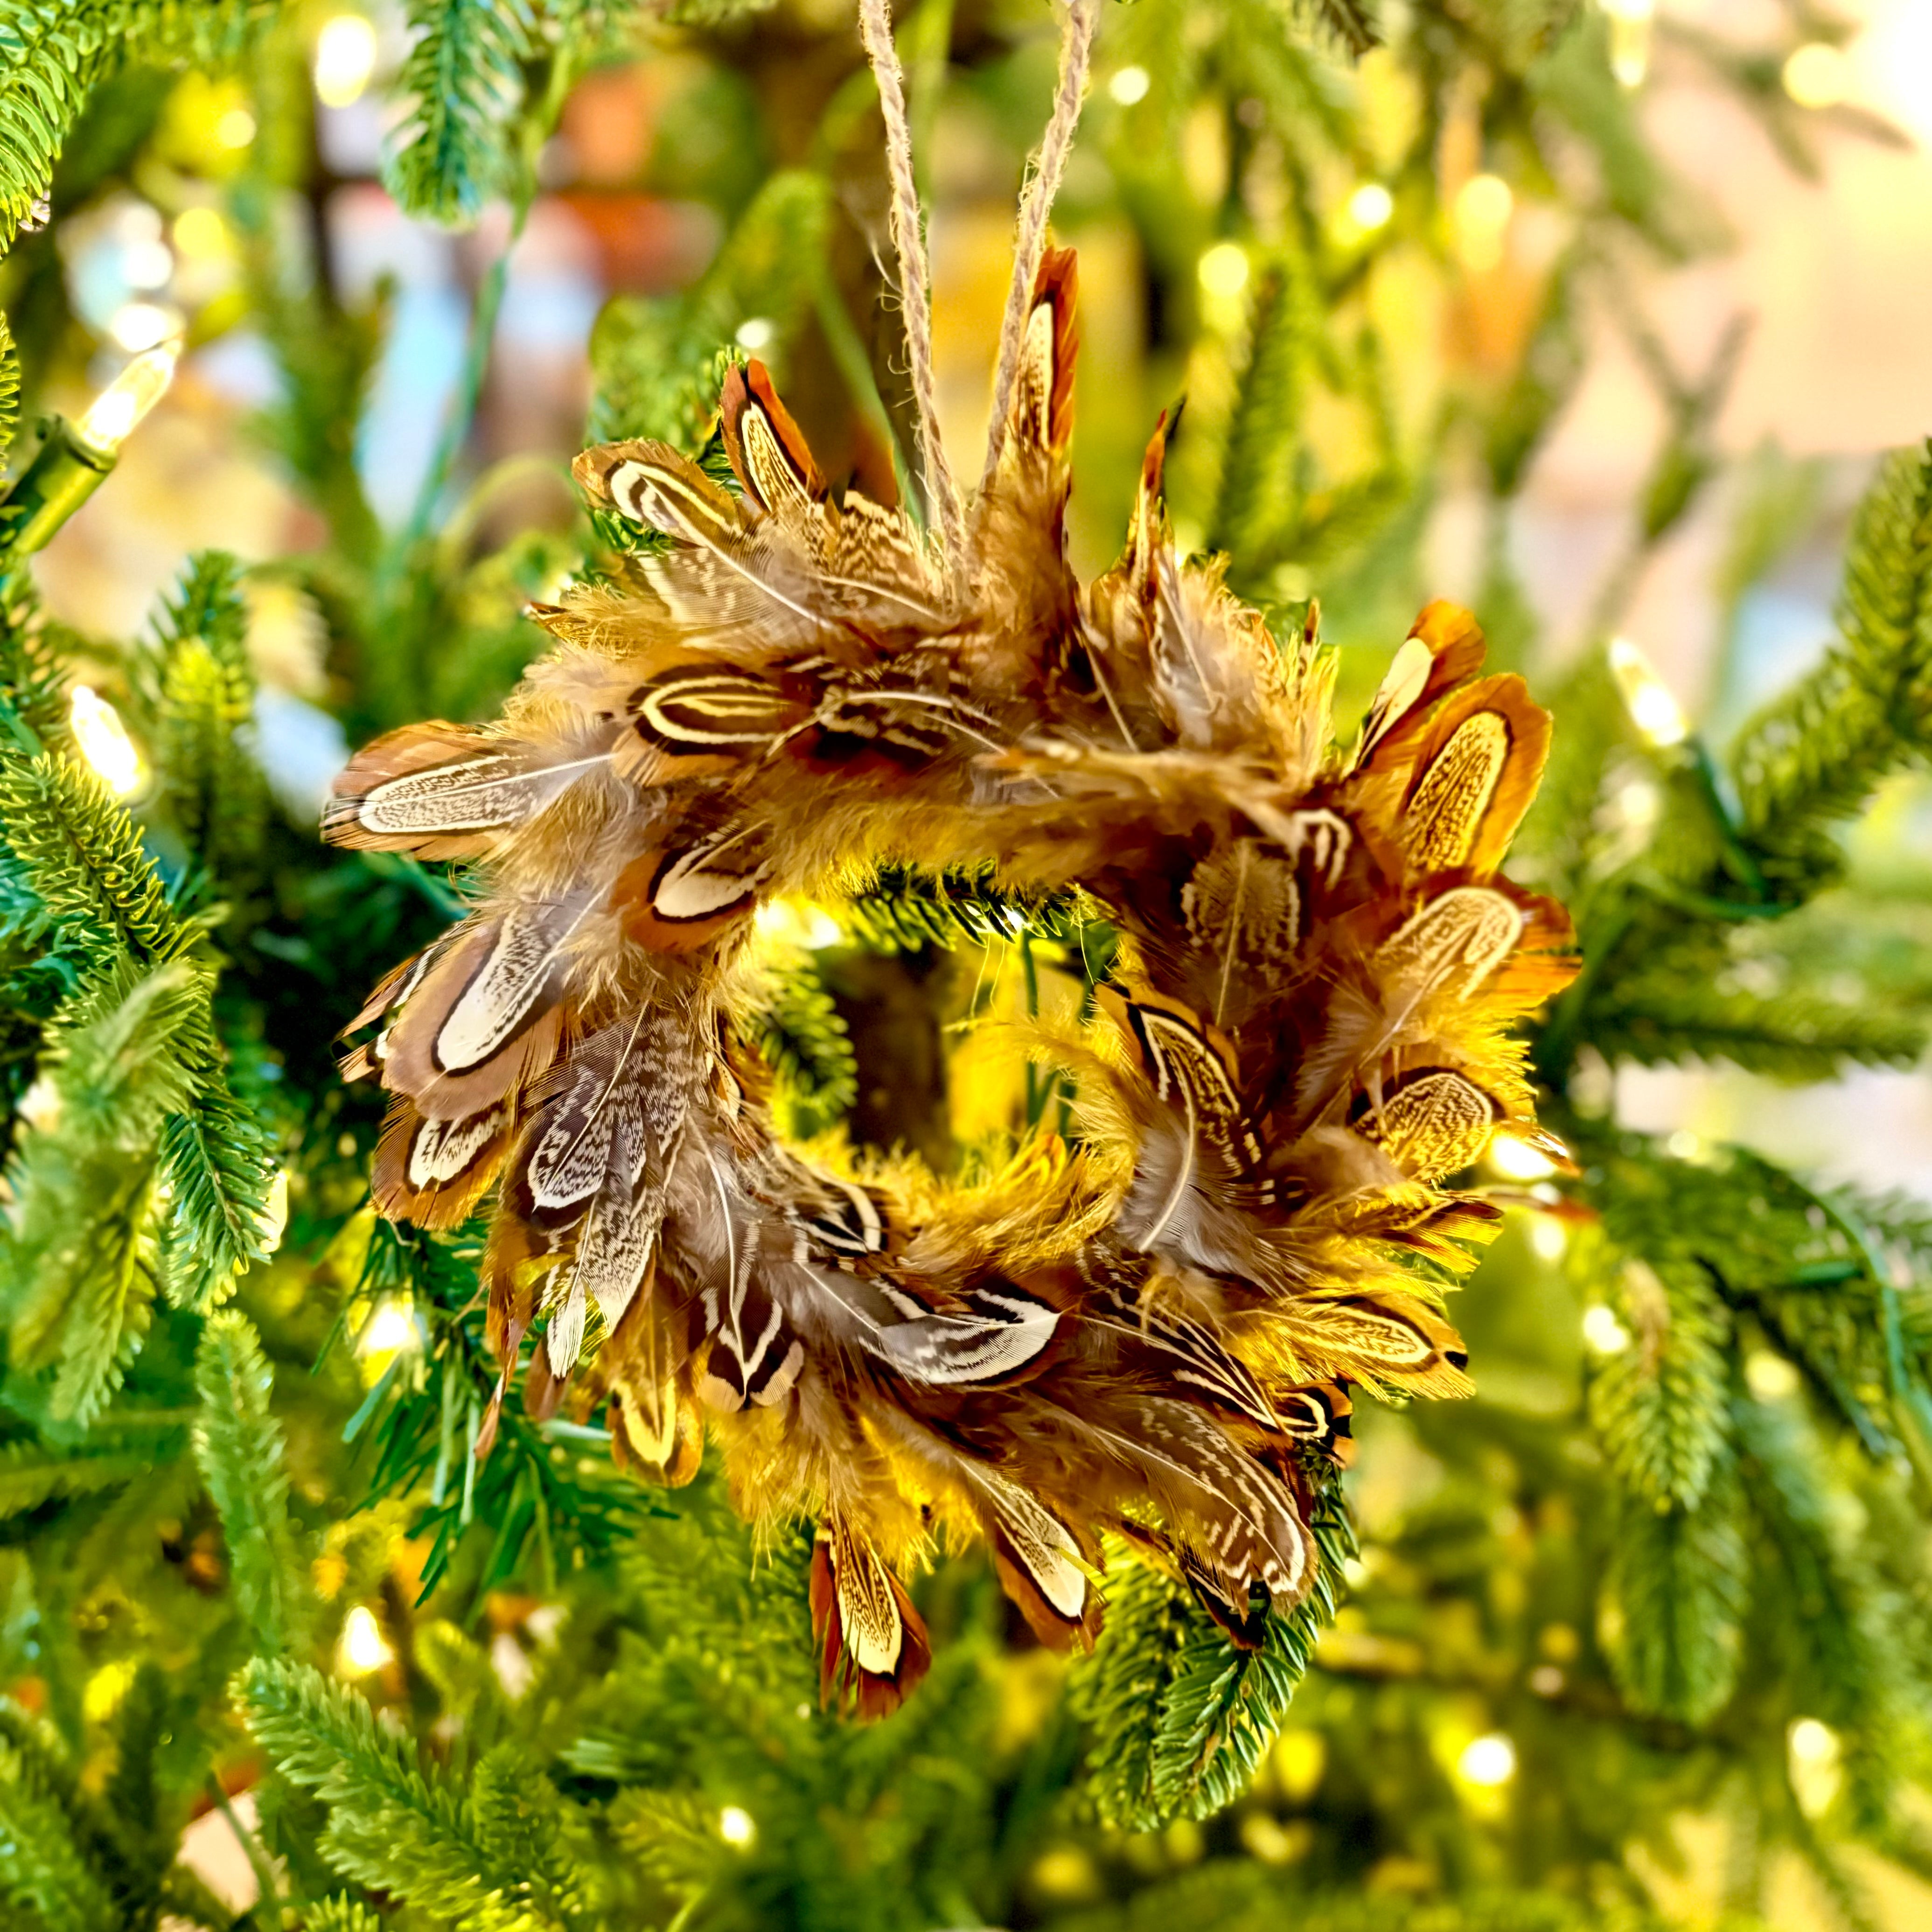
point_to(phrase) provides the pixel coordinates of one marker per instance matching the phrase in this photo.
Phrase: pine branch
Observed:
(32, 1474)
(206, 700)
(32, 686)
(1179, 1717)
(1680, 1580)
(465, 74)
(1262, 459)
(902, 906)
(806, 1044)
(1827, 1608)
(239, 1444)
(1661, 1405)
(1350, 25)
(81, 1264)
(342, 1914)
(53, 52)
(10, 389)
(46, 1868)
(83, 857)
(1813, 755)
(1660, 1019)
(391, 1826)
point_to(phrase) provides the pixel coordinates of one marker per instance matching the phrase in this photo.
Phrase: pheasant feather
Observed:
(1306, 1040)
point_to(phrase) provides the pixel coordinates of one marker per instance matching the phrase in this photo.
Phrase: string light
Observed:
(1814, 1758)
(392, 1328)
(1223, 270)
(1487, 1761)
(1817, 75)
(1653, 710)
(1603, 1332)
(1630, 23)
(1370, 206)
(118, 410)
(735, 1825)
(345, 59)
(236, 129)
(275, 1218)
(104, 741)
(1515, 1160)
(1130, 84)
(755, 333)
(1483, 206)
(363, 1648)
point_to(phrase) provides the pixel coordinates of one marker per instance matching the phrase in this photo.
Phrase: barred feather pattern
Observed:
(1154, 1330)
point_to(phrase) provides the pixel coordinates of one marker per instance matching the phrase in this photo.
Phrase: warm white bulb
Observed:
(1370, 206)
(1483, 205)
(1817, 75)
(1604, 1332)
(236, 129)
(139, 326)
(391, 1327)
(103, 740)
(363, 1648)
(1130, 84)
(275, 1213)
(1489, 1760)
(756, 332)
(345, 57)
(735, 1826)
(1224, 270)
(1516, 1159)
(1653, 710)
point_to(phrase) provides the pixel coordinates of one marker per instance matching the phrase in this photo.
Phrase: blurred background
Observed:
(1599, 326)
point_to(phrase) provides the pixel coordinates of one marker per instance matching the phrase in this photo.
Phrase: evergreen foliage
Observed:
(1697, 1522)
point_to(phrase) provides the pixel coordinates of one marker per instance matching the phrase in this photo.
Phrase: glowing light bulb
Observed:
(1653, 710)
(1631, 22)
(1130, 84)
(1770, 1377)
(363, 1648)
(1370, 206)
(1604, 1332)
(200, 232)
(392, 1326)
(1483, 205)
(113, 414)
(236, 129)
(735, 1825)
(138, 326)
(275, 1213)
(756, 332)
(103, 740)
(1516, 1159)
(1815, 1759)
(1487, 1761)
(345, 57)
(1224, 270)
(1817, 75)
(1548, 1237)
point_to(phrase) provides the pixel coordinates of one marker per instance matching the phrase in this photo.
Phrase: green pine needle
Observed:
(239, 1445)
(10, 389)
(465, 74)
(1680, 1582)
(83, 856)
(392, 1826)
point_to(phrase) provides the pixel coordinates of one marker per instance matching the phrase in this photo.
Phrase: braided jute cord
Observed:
(1036, 198)
(875, 29)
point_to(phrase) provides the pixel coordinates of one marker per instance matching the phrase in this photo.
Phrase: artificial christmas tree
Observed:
(281, 1545)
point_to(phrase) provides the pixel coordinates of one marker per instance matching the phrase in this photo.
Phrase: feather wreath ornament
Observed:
(1153, 1331)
